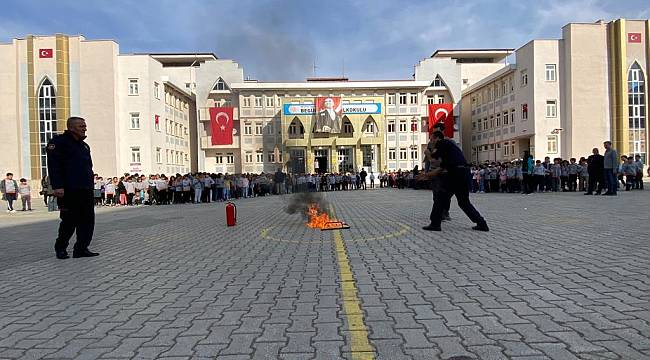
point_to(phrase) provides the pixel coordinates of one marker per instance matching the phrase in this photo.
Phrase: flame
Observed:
(318, 219)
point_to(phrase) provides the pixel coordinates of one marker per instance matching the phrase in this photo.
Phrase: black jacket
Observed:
(69, 164)
(595, 164)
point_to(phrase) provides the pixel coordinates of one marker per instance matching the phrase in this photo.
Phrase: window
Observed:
(158, 156)
(414, 99)
(505, 149)
(498, 120)
(437, 82)
(391, 126)
(220, 85)
(402, 153)
(271, 156)
(219, 158)
(246, 102)
(551, 108)
(473, 125)
(480, 122)
(230, 158)
(504, 88)
(347, 126)
(258, 101)
(270, 101)
(135, 121)
(441, 99)
(414, 153)
(414, 125)
(259, 128)
(512, 148)
(248, 157)
(431, 99)
(550, 72)
(512, 116)
(156, 90)
(524, 111)
(269, 128)
(248, 129)
(391, 99)
(505, 118)
(402, 99)
(296, 128)
(133, 87)
(636, 112)
(259, 156)
(402, 125)
(46, 119)
(135, 154)
(524, 78)
(551, 144)
(156, 122)
(391, 154)
(485, 123)
(491, 121)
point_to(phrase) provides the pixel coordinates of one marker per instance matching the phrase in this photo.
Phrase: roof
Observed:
(488, 79)
(495, 55)
(182, 59)
(370, 84)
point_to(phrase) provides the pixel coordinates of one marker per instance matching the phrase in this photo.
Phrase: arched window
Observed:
(46, 119)
(437, 82)
(370, 127)
(347, 129)
(220, 85)
(636, 111)
(296, 129)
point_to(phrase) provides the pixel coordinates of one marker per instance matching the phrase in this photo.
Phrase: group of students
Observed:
(12, 189)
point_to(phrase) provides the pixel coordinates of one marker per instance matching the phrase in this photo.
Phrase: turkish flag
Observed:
(221, 124)
(443, 113)
(45, 53)
(156, 119)
(634, 37)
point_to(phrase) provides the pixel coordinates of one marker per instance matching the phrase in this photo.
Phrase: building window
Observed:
(414, 125)
(505, 118)
(230, 158)
(498, 120)
(512, 116)
(437, 82)
(524, 111)
(414, 153)
(551, 108)
(248, 157)
(156, 90)
(504, 88)
(158, 156)
(135, 121)
(391, 99)
(271, 156)
(491, 121)
(505, 149)
(402, 153)
(156, 122)
(296, 129)
(270, 101)
(391, 126)
(220, 85)
(246, 102)
(269, 128)
(431, 99)
(485, 124)
(551, 144)
(133, 87)
(259, 156)
(473, 125)
(550, 72)
(402, 99)
(135, 154)
(347, 127)
(636, 111)
(441, 99)
(391, 154)
(258, 101)
(218, 159)
(402, 125)
(248, 129)
(259, 128)
(524, 78)
(46, 119)
(414, 99)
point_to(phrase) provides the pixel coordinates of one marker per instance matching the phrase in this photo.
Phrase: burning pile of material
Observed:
(312, 207)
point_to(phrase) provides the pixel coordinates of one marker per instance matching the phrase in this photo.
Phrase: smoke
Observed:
(300, 202)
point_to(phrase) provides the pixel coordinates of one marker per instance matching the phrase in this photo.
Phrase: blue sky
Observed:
(281, 40)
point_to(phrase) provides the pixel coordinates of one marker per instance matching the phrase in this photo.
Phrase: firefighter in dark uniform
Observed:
(455, 172)
(70, 169)
(431, 164)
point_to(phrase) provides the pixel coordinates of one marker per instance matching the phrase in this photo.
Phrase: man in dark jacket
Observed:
(595, 170)
(70, 169)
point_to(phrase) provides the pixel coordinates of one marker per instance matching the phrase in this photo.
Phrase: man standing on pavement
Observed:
(70, 168)
(610, 166)
(454, 182)
(595, 170)
(278, 182)
(363, 174)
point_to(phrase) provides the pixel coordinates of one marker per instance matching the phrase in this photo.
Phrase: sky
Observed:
(294, 39)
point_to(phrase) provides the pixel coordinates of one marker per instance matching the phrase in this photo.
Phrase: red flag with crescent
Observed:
(45, 53)
(443, 113)
(221, 124)
(634, 37)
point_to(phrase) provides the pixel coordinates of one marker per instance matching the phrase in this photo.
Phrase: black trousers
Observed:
(596, 182)
(454, 182)
(77, 213)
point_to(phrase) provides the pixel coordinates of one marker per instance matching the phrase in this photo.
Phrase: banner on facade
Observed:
(443, 113)
(329, 115)
(349, 109)
(221, 125)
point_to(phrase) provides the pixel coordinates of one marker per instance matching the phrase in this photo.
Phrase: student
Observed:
(556, 174)
(372, 180)
(9, 189)
(25, 192)
(564, 175)
(130, 191)
(639, 175)
(109, 190)
(572, 170)
(539, 171)
(503, 178)
(629, 169)
(583, 175)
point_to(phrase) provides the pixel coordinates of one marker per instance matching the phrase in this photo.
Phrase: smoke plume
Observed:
(300, 203)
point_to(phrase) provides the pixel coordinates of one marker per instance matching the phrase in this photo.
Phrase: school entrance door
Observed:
(346, 160)
(321, 163)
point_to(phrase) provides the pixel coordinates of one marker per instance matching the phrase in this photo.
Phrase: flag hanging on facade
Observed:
(45, 53)
(221, 124)
(443, 113)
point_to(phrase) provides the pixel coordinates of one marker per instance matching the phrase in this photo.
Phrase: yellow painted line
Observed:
(359, 345)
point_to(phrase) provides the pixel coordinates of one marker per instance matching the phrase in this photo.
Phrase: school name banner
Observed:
(310, 109)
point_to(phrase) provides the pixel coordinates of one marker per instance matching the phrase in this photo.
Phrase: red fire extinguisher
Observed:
(231, 214)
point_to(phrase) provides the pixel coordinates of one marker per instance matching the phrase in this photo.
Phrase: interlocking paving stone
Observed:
(174, 282)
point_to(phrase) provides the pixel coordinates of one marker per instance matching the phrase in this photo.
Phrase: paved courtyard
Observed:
(560, 276)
